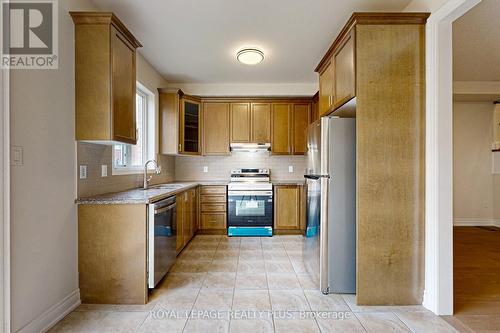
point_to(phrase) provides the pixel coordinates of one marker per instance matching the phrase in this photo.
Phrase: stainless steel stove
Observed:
(250, 203)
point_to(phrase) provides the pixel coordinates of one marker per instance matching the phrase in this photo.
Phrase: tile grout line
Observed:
(199, 290)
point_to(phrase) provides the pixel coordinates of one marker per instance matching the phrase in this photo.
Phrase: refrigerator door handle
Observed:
(316, 177)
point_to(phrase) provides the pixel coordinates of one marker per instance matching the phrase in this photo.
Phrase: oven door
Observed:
(250, 208)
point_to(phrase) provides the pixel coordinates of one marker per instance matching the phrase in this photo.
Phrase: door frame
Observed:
(5, 201)
(438, 295)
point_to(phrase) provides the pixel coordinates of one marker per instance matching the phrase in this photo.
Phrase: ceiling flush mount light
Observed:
(250, 56)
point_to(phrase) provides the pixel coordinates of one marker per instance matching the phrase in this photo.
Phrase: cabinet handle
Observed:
(180, 146)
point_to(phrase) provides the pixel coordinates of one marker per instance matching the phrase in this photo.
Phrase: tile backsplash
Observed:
(219, 167)
(95, 155)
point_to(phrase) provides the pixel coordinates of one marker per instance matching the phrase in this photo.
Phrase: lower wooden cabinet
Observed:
(213, 208)
(187, 217)
(289, 207)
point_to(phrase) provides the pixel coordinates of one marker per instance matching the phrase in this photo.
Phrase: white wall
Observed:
(44, 219)
(291, 89)
(472, 177)
(424, 5)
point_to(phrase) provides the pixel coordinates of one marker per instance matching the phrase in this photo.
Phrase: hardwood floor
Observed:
(477, 278)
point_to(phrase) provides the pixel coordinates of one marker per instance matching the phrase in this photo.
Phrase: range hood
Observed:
(250, 147)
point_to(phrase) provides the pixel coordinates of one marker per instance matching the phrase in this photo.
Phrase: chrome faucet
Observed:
(146, 178)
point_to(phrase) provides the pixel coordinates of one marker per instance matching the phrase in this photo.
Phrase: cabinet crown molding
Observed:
(370, 18)
(105, 18)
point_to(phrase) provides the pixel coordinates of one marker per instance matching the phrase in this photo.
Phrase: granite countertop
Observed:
(137, 195)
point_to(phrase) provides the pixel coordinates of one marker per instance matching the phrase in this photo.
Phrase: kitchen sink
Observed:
(167, 186)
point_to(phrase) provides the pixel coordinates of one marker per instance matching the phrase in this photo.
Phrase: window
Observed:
(127, 158)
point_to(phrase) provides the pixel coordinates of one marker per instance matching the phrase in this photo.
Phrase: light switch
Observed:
(83, 171)
(290, 168)
(104, 170)
(16, 157)
(205, 169)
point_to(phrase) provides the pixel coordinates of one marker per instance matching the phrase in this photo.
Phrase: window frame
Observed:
(148, 135)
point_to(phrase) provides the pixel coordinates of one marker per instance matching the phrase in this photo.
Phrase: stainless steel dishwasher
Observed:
(161, 239)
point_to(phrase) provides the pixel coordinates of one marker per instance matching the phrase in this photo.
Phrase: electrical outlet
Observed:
(290, 168)
(205, 169)
(83, 171)
(104, 170)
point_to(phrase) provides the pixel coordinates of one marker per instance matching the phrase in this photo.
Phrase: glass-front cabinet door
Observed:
(189, 127)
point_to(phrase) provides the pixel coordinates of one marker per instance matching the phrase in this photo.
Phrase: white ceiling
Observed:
(195, 41)
(476, 43)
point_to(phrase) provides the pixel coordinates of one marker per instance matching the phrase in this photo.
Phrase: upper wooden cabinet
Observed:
(344, 74)
(180, 123)
(250, 122)
(216, 128)
(240, 122)
(105, 78)
(326, 89)
(261, 122)
(301, 115)
(281, 128)
(189, 126)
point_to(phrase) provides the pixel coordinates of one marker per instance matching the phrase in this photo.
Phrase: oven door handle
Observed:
(250, 193)
(164, 209)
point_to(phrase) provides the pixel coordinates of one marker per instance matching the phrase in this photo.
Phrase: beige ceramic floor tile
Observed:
(288, 300)
(220, 280)
(223, 265)
(161, 324)
(178, 299)
(251, 266)
(320, 302)
(190, 266)
(340, 322)
(251, 281)
(254, 300)
(424, 322)
(251, 255)
(283, 281)
(250, 246)
(91, 321)
(281, 266)
(251, 326)
(275, 255)
(381, 322)
(226, 254)
(207, 326)
(296, 326)
(306, 282)
(197, 254)
(184, 280)
(209, 299)
(298, 266)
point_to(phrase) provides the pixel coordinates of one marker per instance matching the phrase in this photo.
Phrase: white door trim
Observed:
(5, 202)
(438, 295)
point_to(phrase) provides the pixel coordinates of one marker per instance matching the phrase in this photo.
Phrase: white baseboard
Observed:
(54, 314)
(470, 222)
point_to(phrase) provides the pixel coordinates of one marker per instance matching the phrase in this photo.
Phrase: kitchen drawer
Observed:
(213, 199)
(221, 207)
(209, 190)
(213, 220)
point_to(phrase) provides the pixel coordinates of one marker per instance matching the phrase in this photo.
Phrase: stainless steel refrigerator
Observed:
(330, 245)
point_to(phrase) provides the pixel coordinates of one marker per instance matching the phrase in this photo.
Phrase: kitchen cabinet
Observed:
(301, 114)
(326, 89)
(187, 217)
(281, 123)
(213, 210)
(216, 132)
(315, 108)
(344, 87)
(250, 122)
(189, 126)
(287, 207)
(240, 123)
(261, 122)
(180, 123)
(379, 59)
(105, 78)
